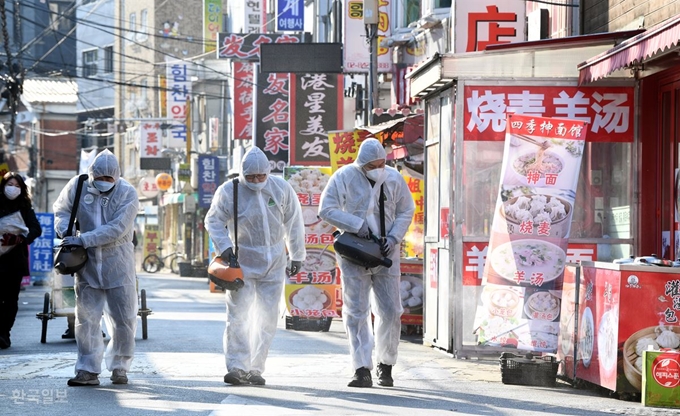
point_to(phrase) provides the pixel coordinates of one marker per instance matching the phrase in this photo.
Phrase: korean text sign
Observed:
(42, 249)
(522, 278)
(179, 91)
(356, 53)
(150, 139)
(290, 16)
(208, 179)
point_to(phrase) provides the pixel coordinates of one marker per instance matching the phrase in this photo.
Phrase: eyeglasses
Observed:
(260, 177)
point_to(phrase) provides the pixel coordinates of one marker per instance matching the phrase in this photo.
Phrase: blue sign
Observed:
(290, 16)
(42, 249)
(208, 179)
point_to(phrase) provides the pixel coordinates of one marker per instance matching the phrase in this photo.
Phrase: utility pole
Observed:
(371, 22)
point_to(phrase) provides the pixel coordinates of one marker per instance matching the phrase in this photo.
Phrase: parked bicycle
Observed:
(154, 263)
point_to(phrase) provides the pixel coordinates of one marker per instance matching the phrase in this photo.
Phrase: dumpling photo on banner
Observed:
(522, 282)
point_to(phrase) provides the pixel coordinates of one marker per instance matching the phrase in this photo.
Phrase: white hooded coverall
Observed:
(269, 220)
(345, 203)
(108, 281)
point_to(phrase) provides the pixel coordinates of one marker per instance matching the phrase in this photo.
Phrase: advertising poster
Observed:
(315, 291)
(272, 117)
(522, 279)
(316, 108)
(344, 146)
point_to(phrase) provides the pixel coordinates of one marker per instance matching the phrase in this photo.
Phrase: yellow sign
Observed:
(413, 240)
(164, 181)
(4, 168)
(344, 146)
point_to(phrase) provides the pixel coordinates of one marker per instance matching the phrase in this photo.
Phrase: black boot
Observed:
(362, 378)
(384, 373)
(4, 341)
(69, 333)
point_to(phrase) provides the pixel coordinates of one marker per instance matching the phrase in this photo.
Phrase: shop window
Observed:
(603, 205)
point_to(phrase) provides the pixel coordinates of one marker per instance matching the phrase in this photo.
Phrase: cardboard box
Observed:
(661, 378)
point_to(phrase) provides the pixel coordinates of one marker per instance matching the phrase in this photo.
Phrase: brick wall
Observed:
(609, 16)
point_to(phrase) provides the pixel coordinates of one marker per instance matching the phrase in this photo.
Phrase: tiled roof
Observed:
(50, 91)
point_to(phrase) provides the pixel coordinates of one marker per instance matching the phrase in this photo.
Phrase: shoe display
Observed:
(5, 342)
(236, 377)
(119, 376)
(384, 373)
(255, 379)
(362, 378)
(84, 378)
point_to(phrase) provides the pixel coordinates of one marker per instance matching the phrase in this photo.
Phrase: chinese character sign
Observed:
(243, 100)
(312, 291)
(527, 252)
(42, 248)
(356, 50)
(316, 108)
(247, 47)
(482, 23)
(607, 110)
(290, 16)
(272, 118)
(212, 23)
(152, 239)
(413, 240)
(344, 146)
(150, 136)
(179, 91)
(208, 179)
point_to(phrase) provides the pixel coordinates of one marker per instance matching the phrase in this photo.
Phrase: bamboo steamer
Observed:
(634, 375)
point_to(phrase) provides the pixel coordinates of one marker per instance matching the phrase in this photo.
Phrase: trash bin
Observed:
(185, 269)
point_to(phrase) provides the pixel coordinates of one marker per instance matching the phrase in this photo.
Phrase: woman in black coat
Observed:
(14, 263)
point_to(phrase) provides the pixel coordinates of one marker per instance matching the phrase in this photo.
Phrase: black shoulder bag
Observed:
(70, 259)
(360, 251)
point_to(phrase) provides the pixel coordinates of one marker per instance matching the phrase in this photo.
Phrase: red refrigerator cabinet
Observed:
(623, 310)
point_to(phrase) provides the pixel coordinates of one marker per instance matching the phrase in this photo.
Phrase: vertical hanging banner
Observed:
(272, 118)
(344, 146)
(522, 279)
(290, 16)
(212, 23)
(179, 90)
(356, 50)
(243, 100)
(150, 135)
(314, 291)
(42, 248)
(208, 179)
(316, 108)
(412, 245)
(254, 16)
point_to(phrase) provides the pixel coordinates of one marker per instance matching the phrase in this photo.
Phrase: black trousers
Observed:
(10, 285)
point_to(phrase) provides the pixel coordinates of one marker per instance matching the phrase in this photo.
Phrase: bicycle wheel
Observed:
(152, 263)
(174, 266)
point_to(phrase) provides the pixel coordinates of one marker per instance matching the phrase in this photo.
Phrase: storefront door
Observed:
(669, 154)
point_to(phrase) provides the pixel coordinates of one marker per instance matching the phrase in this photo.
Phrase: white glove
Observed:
(388, 246)
(72, 241)
(363, 231)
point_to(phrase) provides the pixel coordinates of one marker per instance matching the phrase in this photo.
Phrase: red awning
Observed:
(646, 45)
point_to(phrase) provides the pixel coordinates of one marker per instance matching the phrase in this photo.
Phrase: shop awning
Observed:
(655, 41)
(401, 131)
(175, 198)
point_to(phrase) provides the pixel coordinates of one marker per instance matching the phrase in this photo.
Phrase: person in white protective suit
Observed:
(350, 202)
(269, 221)
(107, 283)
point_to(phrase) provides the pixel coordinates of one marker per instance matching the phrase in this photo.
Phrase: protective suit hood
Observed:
(254, 162)
(370, 150)
(105, 164)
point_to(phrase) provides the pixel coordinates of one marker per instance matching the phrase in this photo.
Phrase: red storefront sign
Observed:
(607, 110)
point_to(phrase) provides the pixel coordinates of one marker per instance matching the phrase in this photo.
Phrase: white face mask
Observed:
(12, 192)
(256, 186)
(103, 186)
(375, 174)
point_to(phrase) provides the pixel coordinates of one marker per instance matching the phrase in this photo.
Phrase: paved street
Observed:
(179, 370)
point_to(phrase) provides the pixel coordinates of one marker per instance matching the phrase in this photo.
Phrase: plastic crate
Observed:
(308, 324)
(527, 370)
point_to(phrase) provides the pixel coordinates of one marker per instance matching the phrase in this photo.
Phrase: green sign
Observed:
(184, 172)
